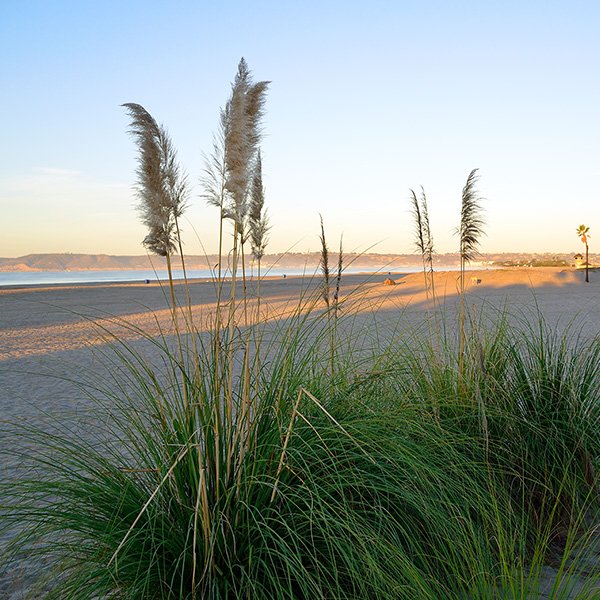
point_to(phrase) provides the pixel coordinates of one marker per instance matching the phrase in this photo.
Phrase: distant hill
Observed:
(290, 260)
(99, 262)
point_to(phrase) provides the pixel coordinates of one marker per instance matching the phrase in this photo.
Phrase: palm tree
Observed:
(583, 233)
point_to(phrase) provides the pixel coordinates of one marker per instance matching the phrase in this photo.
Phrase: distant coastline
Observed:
(66, 262)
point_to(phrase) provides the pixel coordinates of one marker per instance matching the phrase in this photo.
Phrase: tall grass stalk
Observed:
(258, 222)
(162, 187)
(332, 303)
(428, 244)
(424, 245)
(227, 181)
(469, 234)
(162, 190)
(324, 267)
(244, 112)
(471, 225)
(213, 185)
(420, 236)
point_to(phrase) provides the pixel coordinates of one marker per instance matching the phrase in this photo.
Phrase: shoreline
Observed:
(179, 279)
(40, 320)
(281, 274)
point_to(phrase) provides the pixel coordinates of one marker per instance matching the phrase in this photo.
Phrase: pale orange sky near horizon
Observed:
(386, 97)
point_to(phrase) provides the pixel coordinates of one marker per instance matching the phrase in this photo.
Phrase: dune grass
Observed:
(300, 485)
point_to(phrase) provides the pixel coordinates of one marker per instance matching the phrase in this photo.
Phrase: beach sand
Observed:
(43, 320)
(50, 335)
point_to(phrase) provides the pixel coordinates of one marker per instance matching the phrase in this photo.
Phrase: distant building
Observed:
(579, 261)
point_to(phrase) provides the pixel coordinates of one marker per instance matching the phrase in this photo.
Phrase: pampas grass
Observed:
(471, 224)
(324, 267)
(243, 115)
(318, 487)
(332, 304)
(241, 132)
(162, 187)
(423, 239)
(257, 218)
(469, 233)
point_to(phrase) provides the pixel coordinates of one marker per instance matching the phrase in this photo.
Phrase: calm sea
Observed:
(66, 277)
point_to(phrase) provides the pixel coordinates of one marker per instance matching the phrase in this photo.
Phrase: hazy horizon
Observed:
(316, 254)
(365, 103)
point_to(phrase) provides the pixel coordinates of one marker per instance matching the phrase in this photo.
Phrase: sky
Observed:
(367, 100)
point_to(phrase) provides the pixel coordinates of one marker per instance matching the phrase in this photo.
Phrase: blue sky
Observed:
(366, 101)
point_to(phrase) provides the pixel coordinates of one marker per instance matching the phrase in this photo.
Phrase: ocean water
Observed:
(141, 276)
(66, 277)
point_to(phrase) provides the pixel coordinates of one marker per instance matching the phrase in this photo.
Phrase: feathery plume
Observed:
(471, 219)
(325, 293)
(162, 186)
(427, 236)
(258, 221)
(419, 233)
(257, 197)
(214, 173)
(243, 113)
(420, 236)
(428, 239)
(423, 237)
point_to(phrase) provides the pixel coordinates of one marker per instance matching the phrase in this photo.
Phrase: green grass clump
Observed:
(293, 497)
(403, 476)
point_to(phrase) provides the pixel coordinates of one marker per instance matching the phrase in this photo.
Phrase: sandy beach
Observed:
(49, 335)
(42, 320)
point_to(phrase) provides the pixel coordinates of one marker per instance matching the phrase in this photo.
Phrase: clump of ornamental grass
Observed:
(294, 494)
(524, 402)
(530, 396)
(291, 484)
